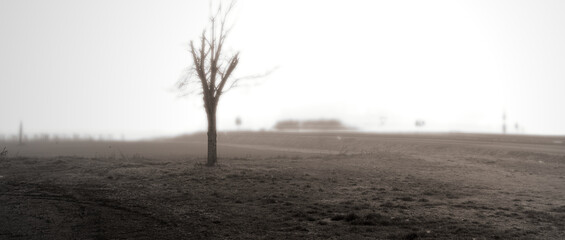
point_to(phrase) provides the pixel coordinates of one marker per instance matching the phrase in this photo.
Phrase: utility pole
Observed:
(21, 133)
(504, 122)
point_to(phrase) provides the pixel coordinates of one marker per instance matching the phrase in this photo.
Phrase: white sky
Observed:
(109, 67)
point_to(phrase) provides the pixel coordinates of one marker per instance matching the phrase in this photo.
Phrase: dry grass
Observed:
(3, 153)
(398, 190)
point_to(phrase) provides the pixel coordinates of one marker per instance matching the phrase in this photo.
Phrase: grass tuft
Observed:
(3, 153)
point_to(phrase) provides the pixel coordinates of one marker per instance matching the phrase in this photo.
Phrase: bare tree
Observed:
(213, 69)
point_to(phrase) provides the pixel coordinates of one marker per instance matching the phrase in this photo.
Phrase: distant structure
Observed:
(419, 123)
(288, 125)
(311, 125)
(238, 122)
(519, 128)
(382, 121)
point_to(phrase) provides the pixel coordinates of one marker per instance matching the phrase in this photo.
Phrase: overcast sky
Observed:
(109, 67)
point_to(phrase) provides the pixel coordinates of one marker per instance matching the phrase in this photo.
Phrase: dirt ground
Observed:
(287, 186)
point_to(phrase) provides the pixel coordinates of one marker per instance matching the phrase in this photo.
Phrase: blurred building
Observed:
(311, 125)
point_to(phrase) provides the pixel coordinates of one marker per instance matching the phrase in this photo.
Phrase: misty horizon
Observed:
(254, 119)
(109, 68)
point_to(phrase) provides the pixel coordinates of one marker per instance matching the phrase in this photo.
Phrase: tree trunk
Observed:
(212, 150)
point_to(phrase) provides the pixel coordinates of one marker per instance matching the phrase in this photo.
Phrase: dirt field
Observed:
(287, 186)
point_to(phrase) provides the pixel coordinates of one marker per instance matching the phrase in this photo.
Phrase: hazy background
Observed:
(109, 67)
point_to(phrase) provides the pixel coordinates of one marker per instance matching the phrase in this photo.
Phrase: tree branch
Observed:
(249, 77)
(233, 64)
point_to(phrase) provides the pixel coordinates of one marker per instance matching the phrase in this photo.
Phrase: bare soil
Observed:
(287, 186)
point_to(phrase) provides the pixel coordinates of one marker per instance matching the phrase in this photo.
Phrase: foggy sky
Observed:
(109, 67)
